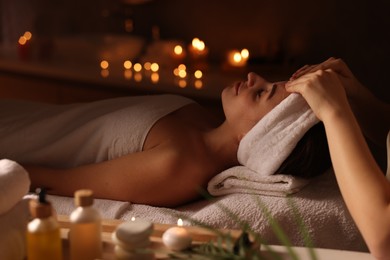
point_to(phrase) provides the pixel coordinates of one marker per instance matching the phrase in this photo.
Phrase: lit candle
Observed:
(198, 48)
(24, 46)
(178, 53)
(238, 58)
(177, 238)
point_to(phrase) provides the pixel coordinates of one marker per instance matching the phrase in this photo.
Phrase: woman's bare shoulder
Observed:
(180, 126)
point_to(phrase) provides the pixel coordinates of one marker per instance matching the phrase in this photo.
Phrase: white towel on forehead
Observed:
(264, 148)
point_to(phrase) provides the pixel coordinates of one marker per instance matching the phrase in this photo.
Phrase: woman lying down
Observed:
(161, 149)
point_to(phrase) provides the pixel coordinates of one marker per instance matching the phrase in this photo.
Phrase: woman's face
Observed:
(246, 102)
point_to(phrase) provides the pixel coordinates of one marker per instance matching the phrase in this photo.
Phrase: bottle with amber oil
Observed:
(85, 228)
(43, 231)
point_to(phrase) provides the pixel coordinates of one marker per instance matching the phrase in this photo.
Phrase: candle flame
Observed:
(245, 54)
(198, 74)
(182, 74)
(178, 50)
(137, 67)
(198, 44)
(127, 64)
(155, 67)
(180, 222)
(147, 65)
(237, 57)
(104, 64)
(22, 40)
(132, 218)
(27, 35)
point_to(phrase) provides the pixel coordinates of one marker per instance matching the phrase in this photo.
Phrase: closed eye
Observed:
(259, 92)
(272, 92)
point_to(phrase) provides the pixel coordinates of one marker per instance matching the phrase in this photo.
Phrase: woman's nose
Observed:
(251, 79)
(254, 79)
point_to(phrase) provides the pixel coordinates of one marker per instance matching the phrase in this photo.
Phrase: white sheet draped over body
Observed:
(83, 133)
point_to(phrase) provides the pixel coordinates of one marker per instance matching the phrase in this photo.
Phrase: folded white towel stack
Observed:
(14, 184)
(264, 148)
(240, 179)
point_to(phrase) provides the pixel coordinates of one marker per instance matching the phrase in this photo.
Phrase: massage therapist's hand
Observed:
(323, 92)
(352, 86)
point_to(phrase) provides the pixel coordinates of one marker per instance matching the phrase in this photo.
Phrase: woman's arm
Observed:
(371, 113)
(363, 186)
(160, 176)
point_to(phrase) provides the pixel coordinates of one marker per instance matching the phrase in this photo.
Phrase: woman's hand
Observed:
(348, 80)
(323, 91)
(371, 112)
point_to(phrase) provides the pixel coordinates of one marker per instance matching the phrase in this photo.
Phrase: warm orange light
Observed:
(28, 35)
(104, 73)
(127, 64)
(182, 83)
(182, 67)
(195, 42)
(198, 74)
(137, 67)
(237, 57)
(155, 67)
(22, 40)
(104, 64)
(176, 72)
(147, 65)
(128, 74)
(138, 77)
(155, 77)
(245, 54)
(198, 84)
(180, 222)
(178, 50)
(182, 73)
(198, 44)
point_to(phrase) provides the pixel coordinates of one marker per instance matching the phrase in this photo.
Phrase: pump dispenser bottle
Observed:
(43, 231)
(85, 228)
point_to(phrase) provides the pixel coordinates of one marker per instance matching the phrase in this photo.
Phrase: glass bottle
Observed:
(43, 231)
(85, 228)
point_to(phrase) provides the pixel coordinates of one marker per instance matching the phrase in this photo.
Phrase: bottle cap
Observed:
(40, 208)
(83, 198)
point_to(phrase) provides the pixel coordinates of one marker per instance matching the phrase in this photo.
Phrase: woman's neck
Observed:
(222, 144)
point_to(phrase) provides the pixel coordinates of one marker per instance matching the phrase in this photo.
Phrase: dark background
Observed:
(277, 31)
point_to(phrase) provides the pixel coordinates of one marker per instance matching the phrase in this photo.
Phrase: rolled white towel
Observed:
(264, 148)
(14, 184)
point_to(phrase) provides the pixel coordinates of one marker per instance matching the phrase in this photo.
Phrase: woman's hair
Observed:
(310, 157)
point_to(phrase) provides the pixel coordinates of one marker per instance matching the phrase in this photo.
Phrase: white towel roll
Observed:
(264, 148)
(14, 184)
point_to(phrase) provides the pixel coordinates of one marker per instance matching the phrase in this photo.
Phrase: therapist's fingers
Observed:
(321, 89)
(331, 63)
